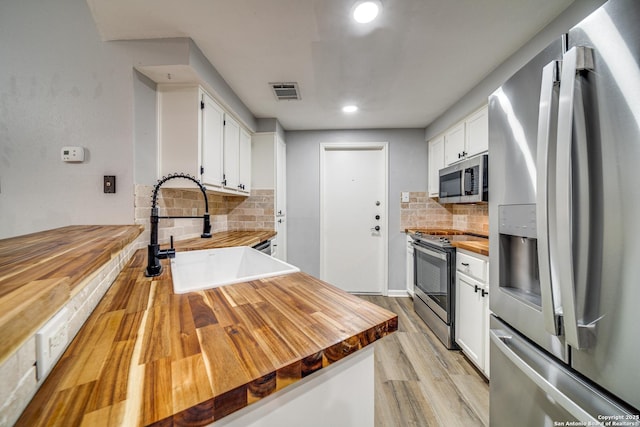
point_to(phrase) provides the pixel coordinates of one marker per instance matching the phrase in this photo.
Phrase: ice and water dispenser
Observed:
(518, 273)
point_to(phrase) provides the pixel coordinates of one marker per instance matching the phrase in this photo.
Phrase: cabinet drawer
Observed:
(472, 266)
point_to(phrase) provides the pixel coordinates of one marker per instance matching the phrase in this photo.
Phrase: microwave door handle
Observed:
(573, 245)
(545, 218)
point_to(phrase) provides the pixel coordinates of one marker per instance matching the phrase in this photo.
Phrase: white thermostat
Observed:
(72, 154)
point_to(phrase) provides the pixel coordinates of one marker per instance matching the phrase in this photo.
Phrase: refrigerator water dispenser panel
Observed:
(519, 274)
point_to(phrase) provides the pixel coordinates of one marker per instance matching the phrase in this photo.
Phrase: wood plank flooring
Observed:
(419, 382)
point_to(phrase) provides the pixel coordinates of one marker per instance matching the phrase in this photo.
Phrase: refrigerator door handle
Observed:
(572, 243)
(504, 343)
(545, 201)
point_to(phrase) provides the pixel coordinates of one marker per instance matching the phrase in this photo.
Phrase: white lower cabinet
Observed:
(410, 273)
(472, 308)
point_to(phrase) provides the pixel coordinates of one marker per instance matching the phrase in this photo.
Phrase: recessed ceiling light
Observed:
(350, 108)
(366, 11)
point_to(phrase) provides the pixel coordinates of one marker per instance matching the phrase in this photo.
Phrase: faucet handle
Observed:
(171, 252)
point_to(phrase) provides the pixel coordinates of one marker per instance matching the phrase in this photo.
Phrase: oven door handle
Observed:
(439, 255)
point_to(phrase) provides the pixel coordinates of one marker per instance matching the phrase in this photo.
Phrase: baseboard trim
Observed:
(398, 293)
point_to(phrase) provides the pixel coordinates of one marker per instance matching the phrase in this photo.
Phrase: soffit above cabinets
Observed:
(403, 70)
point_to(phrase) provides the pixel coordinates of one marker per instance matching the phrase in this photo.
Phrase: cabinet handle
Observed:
(484, 293)
(476, 289)
(466, 264)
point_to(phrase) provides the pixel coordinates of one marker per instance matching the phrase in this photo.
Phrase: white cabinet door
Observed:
(281, 177)
(281, 230)
(245, 161)
(454, 141)
(436, 162)
(477, 132)
(231, 153)
(178, 132)
(409, 260)
(212, 135)
(470, 321)
(486, 316)
(269, 171)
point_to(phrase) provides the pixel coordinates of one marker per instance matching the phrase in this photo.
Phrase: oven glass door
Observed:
(432, 279)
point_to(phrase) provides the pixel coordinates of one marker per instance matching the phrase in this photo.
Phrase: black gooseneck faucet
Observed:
(154, 253)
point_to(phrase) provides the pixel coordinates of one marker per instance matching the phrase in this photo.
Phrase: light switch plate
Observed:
(51, 340)
(404, 196)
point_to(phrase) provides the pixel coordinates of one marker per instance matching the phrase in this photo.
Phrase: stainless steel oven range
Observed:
(434, 300)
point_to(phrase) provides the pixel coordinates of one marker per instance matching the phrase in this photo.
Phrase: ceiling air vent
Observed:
(286, 91)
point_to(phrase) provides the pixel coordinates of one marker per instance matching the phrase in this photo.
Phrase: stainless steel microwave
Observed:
(465, 182)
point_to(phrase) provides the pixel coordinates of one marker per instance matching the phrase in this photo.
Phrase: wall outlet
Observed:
(404, 197)
(51, 340)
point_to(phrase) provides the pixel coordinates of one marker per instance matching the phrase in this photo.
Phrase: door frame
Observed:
(382, 146)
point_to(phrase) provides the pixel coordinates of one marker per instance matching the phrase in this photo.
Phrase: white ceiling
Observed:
(403, 70)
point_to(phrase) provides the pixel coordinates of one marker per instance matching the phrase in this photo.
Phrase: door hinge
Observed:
(224, 123)
(201, 170)
(202, 105)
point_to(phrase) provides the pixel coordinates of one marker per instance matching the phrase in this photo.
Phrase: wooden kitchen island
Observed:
(147, 356)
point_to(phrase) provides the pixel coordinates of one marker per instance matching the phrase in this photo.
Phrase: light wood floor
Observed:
(418, 382)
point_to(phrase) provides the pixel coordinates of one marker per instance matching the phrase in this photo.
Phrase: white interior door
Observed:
(353, 254)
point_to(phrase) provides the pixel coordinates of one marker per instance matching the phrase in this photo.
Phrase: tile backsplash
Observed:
(254, 212)
(425, 212)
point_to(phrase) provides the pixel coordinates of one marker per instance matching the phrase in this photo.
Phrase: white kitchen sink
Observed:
(210, 268)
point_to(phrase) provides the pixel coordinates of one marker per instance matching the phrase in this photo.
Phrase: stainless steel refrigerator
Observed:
(564, 220)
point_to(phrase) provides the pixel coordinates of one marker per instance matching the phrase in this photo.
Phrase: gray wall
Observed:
(407, 172)
(208, 72)
(60, 85)
(477, 96)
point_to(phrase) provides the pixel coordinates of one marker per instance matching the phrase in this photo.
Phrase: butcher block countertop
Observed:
(478, 246)
(225, 239)
(40, 272)
(147, 356)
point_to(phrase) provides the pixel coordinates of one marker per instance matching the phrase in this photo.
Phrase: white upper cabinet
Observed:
(231, 153)
(199, 138)
(467, 138)
(245, 161)
(477, 132)
(436, 162)
(212, 137)
(281, 177)
(454, 144)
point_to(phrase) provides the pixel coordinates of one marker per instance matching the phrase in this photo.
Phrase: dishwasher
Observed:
(264, 247)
